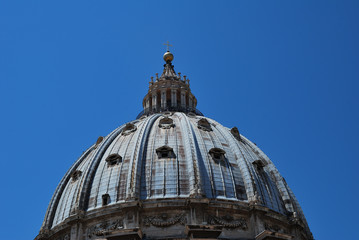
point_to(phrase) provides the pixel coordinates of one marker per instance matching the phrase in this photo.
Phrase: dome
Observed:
(173, 174)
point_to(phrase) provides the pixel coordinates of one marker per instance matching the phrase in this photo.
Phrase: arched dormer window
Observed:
(166, 123)
(128, 129)
(259, 164)
(236, 133)
(204, 125)
(76, 175)
(217, 154)
(113, 159)
(99, 140)
(105, 199)
(165, 152)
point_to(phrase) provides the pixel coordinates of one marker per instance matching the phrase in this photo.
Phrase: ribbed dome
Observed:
(189, 168)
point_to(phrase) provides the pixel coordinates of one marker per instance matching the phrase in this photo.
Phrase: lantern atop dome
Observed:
(169, 92)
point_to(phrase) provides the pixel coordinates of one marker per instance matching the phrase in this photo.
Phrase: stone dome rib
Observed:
(195, 179)
(84, 197)
(68, 203)
(49, 216)
(237, 154)
(233, 150)
(134, 181)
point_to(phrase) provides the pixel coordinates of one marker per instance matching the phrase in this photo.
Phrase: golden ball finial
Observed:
(168, 56)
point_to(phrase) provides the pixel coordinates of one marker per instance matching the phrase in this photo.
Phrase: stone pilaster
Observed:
(173, 98)
(183, 99)
(154, 102)
(163, 99)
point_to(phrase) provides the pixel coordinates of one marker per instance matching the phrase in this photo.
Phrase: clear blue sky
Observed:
(284, 72)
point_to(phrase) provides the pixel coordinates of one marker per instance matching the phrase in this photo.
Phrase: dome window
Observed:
(76, 175)
(99, 140)
(166, 123)
(113, 159)
(105, 199)
(260, 164)
(217, 154)
(236, 133)
(128, 129)
(165, 152)
(204, 125)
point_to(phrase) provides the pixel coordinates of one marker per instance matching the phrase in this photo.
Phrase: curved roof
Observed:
(174, 155)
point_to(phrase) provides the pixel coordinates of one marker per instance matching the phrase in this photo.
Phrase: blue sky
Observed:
(284, 72)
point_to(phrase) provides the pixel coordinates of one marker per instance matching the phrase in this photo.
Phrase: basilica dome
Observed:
(173, 174)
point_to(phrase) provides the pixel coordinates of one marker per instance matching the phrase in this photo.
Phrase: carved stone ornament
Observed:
(204, 125)
(236, 133)
(228, 222)
(105, 228)
(128, 129)
(166, 123)
(164, 220)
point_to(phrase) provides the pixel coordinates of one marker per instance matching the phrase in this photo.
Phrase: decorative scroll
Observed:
(105, 228)
(228, 222)
(164, 221)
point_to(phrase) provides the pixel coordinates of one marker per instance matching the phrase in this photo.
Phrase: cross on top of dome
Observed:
(168, 56)
(168, 46)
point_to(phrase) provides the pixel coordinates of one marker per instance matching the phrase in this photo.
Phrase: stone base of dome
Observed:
(178, 219)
